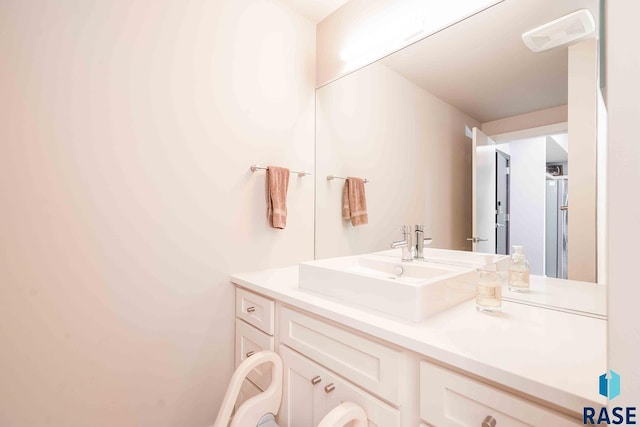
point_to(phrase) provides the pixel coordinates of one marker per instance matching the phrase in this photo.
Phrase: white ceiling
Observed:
(556, 151)
(481, 65)
(314, 10)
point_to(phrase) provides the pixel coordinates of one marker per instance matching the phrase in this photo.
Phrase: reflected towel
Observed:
(354, 202)
(277, 185)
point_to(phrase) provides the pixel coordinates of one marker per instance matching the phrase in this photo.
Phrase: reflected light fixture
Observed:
(564, 30)
(403, 23)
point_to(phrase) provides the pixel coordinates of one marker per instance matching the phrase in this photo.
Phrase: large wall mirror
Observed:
(483, 141)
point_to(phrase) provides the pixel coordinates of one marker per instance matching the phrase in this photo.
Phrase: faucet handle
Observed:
(419, 227)
(428, 240)
(399, 244)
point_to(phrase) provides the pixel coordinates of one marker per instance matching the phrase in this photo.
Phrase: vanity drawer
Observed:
(366, 363)
(451, 399)
(249, 340)
(255, 309)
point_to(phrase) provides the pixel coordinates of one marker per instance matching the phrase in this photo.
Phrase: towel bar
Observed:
(256, 167)
(332, 177)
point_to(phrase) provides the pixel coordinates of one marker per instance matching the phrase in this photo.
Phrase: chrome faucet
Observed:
(420, 241)
(406, 244)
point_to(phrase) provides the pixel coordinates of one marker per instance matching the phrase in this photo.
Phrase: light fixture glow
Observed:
(403, 23)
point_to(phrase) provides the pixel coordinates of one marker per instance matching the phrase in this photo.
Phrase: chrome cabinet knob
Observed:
(489, 421)
(251, 309)
(329, 388)
(251, 353)
(316, 380)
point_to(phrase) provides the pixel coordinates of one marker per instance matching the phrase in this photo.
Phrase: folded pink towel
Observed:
(277, 185)
(354, 202)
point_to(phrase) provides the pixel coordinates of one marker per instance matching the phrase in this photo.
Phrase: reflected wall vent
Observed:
(572, 27)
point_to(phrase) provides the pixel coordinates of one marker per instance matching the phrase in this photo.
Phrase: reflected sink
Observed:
(411, 290)
(452, 257)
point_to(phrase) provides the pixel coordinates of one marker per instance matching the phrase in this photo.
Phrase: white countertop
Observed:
(588, 299)
(552, 355)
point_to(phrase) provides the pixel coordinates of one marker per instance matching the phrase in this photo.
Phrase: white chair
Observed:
(345, 413)
(259, 410)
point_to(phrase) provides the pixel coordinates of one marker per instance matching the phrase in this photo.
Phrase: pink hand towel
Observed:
(354, 202)
(277, 185)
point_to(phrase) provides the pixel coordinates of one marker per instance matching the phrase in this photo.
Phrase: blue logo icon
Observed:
(610, 387)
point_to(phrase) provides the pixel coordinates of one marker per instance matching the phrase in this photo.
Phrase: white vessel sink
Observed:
(411, 290)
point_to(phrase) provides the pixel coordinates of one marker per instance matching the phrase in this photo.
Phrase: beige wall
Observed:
(582, 231)
(411, 145)
(623, 92)
(126, 133)
(522, 122)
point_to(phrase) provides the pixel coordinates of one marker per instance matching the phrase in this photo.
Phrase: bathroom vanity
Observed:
(523, 366)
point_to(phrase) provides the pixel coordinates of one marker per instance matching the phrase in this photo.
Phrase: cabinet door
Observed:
(368, 364)
(306, 403)
(303, 402)
(250, 340)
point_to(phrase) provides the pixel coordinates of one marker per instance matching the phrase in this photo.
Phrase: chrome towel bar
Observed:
(332, 177)
(256, 167)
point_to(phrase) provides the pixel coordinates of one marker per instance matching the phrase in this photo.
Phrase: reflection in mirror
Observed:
(521, 196)
(400, 123)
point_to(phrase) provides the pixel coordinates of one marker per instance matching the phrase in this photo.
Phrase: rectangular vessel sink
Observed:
(411, 290)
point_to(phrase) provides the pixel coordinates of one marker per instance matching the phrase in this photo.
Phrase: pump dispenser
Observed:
(518, 271)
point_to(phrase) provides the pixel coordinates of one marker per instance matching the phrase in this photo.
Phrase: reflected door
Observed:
(502, 202)
(483, 193)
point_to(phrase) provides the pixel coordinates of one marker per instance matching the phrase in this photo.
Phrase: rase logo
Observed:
(609, 386)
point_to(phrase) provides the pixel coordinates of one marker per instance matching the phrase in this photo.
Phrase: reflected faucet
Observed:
(406, 244)
(421, 241)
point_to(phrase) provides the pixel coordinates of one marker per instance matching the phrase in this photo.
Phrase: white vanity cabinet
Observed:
(327, 363)
(254, 333)
(450, 399)
(368, 364)
(324, 365)
(311, 391)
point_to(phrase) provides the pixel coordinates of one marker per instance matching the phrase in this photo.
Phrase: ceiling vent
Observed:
(574, 26)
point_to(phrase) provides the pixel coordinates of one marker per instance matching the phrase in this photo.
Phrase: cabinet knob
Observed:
(489, 421)
(316, 380)
(329, 388)
(251, 309)
(251, 353)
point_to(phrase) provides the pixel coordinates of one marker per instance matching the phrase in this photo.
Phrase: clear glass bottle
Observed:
(518, 271)
(489, 290)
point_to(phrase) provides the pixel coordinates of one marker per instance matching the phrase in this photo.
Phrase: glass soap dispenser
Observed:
(518, 271)
(489, 289)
